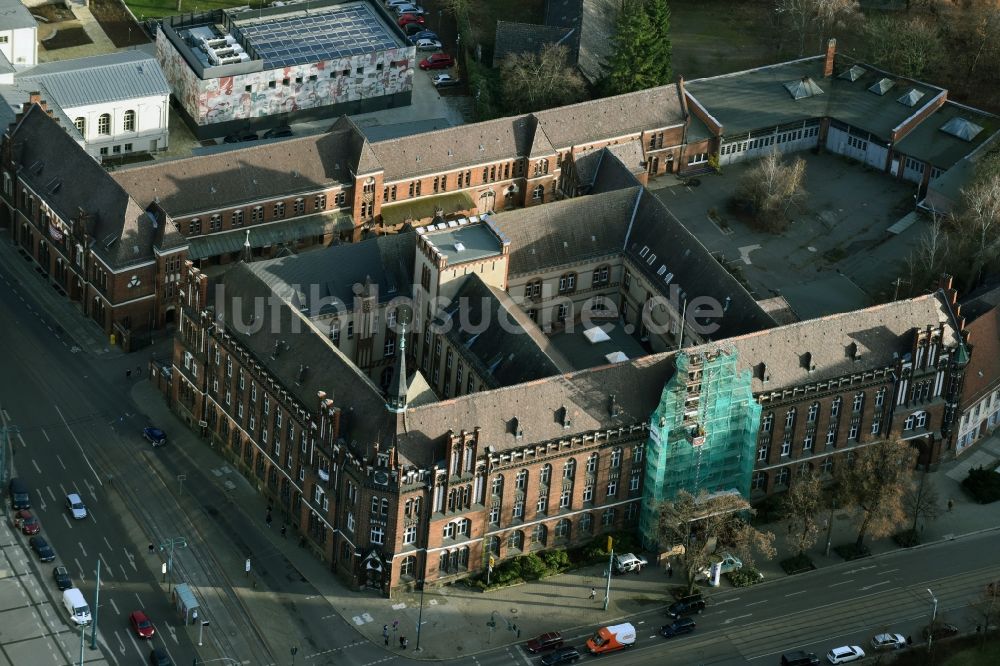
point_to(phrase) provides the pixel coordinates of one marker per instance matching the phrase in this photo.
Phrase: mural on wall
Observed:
(309, 86)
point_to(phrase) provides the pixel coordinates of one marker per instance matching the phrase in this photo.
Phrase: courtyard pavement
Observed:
(837, 254)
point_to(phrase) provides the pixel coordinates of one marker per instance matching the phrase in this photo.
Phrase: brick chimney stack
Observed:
(831, 52)
(681, 96)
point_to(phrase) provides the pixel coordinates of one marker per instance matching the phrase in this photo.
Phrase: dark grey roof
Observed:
(53, 164)
(364, 417)
(313, 280)
(597, 29)
(108, 77)
(511, 352)
(567, 14)
(543, 237)
(16, 15)
(612, 174)
(682, 258)
(515, 38)
(930, 143)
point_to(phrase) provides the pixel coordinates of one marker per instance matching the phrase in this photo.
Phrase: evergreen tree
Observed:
(660, 46)
(631, 68)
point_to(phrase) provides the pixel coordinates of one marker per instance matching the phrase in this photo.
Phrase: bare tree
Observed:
(697, 522)
(875, 486)
(978, 220)
(771, 187)
(921, 500)
(801, 506)
(931, 256)
(535, 81)
(986, 607)
(821, 14)
(909, 46)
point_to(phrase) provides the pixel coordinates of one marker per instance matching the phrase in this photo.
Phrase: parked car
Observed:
(727, 563)
(420, 33)
(408, 8)
(682, 625)
(566, 655)
(627, 562)
(141, 625)
(25, 521)
(75, 506)
(437, 61)
(548, 641)
(415, 28)
(799, 658)
(407, 19)
(845, 654)
(158, 657)
(154, 436)
(42, 548)
(686, 606)
(396, 3)
(940, 630)
(278, 132)
(242, 135)
(61, 576)
(446, 81)
(428, 45)
(888, 641)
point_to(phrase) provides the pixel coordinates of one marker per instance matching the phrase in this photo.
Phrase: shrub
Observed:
(744, 577)
(851, 551)
(769, 509)
(906, 538)
(556, 560)
(983, 485)
(798, 564)
(532, 567)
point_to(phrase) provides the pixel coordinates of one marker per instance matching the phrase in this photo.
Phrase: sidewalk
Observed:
(455, 618)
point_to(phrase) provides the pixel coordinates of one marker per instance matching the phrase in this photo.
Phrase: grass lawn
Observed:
(988, 656)
(144, 9)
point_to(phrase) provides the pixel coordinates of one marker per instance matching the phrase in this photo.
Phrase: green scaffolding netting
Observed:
(702, 435)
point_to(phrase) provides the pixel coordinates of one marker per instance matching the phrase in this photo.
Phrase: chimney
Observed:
(680, 95)
(831, 52)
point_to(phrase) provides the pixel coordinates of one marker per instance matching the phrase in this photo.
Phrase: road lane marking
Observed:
(24, 444)
(726, 601)
(121, 643)
(885, 582)
(61, 463)
(738, 617)
(889, 570)
(106, 565)
(139, 599)
(854, 571)
(843, 582)
(49, 439)
(793, 594)
(79, 568)
(757, 603)
(115, 606)
(124, 573)
(173, 635)
(79, 446)
(131, 558)
(51, 494)
(37, 468)
(82, 549)
(68, 524)
(108, 542)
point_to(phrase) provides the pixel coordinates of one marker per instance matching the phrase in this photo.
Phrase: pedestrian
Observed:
(909, 640)
(951, 504)
(138, 371)
(402, 642)
(386, 637)
(385, 630)
(670, 570)
(593, 593)
(283, 530)
(128, 374)
(151, 548)
(267, 520)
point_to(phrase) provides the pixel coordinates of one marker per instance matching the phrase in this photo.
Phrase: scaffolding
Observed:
(702, 435)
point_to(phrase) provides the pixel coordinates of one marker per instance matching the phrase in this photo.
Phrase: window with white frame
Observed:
(807, 442)
(449, 531)
(616, 458)
(859, 401)
(518, 511)
(612, 488)
(378, 534)
(564, 498)
(521, 482)
(592, 463)
(543, 503)
(409, 534)
(546, 475)
(835, 406)
(813, 412)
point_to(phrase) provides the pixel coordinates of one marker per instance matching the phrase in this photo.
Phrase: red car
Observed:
(407, 19)
(141, 625)
(437, 61)
(548, 641)
(27, 523)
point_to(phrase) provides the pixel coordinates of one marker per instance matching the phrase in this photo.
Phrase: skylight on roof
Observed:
(881, 86)
(852, 73)
(910, 98)
(803, 88)
(962, 128)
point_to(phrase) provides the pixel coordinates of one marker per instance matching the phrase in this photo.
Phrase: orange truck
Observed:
(612, 638)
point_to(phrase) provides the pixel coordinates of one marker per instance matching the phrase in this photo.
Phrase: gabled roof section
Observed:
(455, 147)
(964, 129)
(563, 232)
(911, 97)
(882, 86)
(232, 177)
(852, 73)
(540, 144)
(366, 161)
(803, 88)
(984, 367)
(515, 38)
(109, 77)
(52, 162)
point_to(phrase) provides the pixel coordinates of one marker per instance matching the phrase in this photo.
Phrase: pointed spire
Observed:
(247, 251)
(396, 400)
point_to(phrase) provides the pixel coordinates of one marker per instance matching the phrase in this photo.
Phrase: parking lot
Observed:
(836, 255)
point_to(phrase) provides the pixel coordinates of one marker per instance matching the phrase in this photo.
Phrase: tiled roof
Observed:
(668, 254)
(983, 370)
(233, 177)
(364, 417)
(542, 237)
(110, 77)
(596, 32)
(514, 38)
(455, 147)
(611, 117)
(54, 165)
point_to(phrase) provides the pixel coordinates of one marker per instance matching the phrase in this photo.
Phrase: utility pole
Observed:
(97, 599)
(930, 632)
(179, 542)
(420, 616)
(83, 634)
(898, 282)
(607, 591)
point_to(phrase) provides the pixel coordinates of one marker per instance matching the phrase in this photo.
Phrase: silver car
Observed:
(888, 641)
(75, 506)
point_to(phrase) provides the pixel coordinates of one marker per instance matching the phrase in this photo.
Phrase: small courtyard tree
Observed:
(694, 524)
(875, 485)
(535, 81)
(770, 188)
(921, 500)
(801, 506)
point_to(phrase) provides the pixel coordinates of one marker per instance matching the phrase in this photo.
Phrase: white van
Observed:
(78, 609)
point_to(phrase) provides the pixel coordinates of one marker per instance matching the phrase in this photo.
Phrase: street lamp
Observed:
(420, 615)
(930, 632)
(174, 542)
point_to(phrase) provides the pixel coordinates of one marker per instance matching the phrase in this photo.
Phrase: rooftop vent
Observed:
(803, 88)
(303, 371)
(881, 87)
(459, 247)
(961, 128)
(616, 409)
(852, 73)
(910, 98)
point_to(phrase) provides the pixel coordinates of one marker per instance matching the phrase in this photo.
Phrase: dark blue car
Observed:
(42, 549)
(154, 436)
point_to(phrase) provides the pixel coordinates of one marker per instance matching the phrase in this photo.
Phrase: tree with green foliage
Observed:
(907, 47)
(636, 58)
(660, 45)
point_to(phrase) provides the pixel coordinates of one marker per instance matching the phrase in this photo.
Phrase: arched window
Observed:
(128, 121)
(408, 565)
(586, 523)
(540, 535)
(616, 458)
(782, 477)
(813, 412)
(592, 463)
(759, 482)
(569, 469)
(546, 475)
(533, 289)
(104, 124)
(493, 545)
(790, 418)
(562, 529)
(81, 125)
(767, 422)
(567, 283)
(497, 486)
(536, 192)
(516, 540)
(522, 480)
